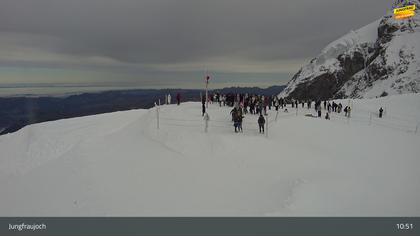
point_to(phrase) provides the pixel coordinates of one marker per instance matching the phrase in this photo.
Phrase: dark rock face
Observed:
(386, 29)
(352, 64)
(322, 87)
(327, 85)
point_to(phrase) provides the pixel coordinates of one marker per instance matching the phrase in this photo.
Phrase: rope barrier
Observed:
(368, 119)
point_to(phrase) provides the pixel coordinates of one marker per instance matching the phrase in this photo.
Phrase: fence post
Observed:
(206, 122)
(266, 127)
(157, 116)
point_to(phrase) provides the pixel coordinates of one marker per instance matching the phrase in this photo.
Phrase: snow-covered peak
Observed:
(366, 34)
(378, 59)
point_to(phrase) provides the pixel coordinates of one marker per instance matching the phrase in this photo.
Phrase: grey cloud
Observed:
(168, 31)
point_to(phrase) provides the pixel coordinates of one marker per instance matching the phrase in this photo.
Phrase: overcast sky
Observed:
(169, 43)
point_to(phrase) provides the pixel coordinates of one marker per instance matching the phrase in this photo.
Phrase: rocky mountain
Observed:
(379, 59)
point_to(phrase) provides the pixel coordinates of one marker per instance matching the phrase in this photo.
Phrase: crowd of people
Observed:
(243, 104)
(255, 104)
(259, 105)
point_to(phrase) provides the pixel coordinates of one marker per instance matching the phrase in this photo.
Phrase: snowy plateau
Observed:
(120, 164)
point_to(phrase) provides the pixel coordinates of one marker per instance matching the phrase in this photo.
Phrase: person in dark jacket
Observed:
(381, 111)
(240, 118)
(178, 98)
(236, 121)
(261, 122)
(203, 107)
(340, 107)
(233, 113)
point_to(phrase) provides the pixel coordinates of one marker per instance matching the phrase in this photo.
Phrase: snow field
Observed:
(120, 164)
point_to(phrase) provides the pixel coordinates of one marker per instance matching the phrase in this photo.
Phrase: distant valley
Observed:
(17, 112)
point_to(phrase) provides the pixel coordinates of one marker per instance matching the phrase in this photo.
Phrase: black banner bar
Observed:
(210, 226)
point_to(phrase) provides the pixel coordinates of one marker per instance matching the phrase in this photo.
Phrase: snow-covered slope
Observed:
(382, 58)
(120, 164)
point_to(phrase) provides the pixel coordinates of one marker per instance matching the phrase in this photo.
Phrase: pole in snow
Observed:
(266, 128)
(157, 116)
(207, 92)
(277, 114)
(206, 122)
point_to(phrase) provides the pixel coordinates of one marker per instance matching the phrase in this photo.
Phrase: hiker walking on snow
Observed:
(169, 98)
(347, 110)
(233, 113)
(178, 99)
(240, 118)
(340, 106)
(265, 100)
(381, 112)
(236, 121)
(203, 108)
(276, 104)
(261, 122)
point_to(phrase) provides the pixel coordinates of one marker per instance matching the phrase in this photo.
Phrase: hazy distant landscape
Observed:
(19, 110)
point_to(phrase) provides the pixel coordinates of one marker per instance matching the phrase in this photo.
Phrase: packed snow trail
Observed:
(120, 164)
